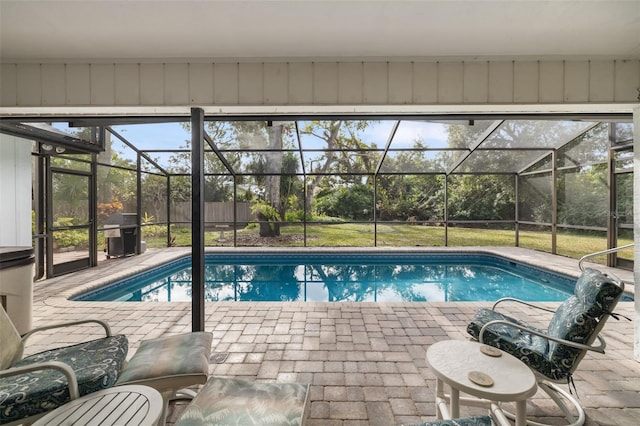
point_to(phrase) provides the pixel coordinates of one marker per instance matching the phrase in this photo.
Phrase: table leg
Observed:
(455, 403)
(438, 398)
(521, 413)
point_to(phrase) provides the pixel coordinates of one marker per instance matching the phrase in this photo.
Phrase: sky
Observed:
(172, 136)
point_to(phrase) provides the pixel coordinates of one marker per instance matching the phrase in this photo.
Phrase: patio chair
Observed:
(555, 353)
(170, 364)
(32, 386)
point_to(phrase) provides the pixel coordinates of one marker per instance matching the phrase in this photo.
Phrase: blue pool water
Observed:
(336, 277)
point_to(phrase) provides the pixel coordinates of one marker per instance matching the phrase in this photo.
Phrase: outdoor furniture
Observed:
(121, 234)
(229, 401)
(117, 406)
(170, 365)
(34, 385)
(490, 376)
(555, 353)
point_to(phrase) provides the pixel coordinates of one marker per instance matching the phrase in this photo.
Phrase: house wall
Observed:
(319, 83)
(15, 191)
(636, 227)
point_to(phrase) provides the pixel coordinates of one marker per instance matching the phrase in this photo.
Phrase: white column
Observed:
(15, 191)
(636, 225)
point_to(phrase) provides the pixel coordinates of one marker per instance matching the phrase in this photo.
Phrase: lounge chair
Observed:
(34, 385)
(170, 364)
(233, 401)
(555, 353)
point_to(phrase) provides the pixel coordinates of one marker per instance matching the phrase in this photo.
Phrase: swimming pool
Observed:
(348, 277)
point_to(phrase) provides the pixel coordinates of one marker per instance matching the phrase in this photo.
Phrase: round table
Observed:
(465, 367)
(119, 405)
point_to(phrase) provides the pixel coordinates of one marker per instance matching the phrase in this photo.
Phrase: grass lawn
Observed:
(572, 245)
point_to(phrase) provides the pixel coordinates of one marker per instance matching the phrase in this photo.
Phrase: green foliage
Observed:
(71, 238)
(266, 211)
(354, 202)
(180, 188)
(411, 197)
(152, 230)
(582, 197)
(574, 245)
(147, 218)
(294, 216)
(484, 197)
(327, 219)
(117, 184)
(64, 221)
(269, 219)
(624, 189)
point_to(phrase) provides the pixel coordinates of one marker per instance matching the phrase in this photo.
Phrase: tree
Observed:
(341, 140)
(353, 202)
(154, 195)
(217, 176)
(254, 152)
(403, 196)
(483, 196)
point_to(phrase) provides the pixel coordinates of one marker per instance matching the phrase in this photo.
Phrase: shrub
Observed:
(71, 238)
(269, 219)
(107, 209)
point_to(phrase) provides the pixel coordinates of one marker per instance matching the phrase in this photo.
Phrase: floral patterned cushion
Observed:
(529, 348)
(466, 421)
(575, 320)
(599, 292)
(227, 401)
(96, 364)
(170, 362)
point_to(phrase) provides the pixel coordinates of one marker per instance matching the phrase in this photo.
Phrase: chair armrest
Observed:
(104, 325)
(107, 330)
(55, 365)
(599, 348)
(511, 299)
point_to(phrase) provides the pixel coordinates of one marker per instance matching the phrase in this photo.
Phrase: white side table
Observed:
(452, 361)
(133, 405)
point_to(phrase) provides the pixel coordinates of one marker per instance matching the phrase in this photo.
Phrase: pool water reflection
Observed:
(345, 277)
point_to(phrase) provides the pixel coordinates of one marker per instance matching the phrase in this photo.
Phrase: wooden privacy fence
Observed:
(215, 213)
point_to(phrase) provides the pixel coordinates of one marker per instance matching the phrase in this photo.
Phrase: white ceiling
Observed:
(173, 30)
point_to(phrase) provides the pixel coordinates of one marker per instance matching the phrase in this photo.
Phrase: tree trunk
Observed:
(267, 228)
(274, 168)
(330, 156)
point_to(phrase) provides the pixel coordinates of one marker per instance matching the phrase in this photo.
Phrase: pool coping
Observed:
(58, 291)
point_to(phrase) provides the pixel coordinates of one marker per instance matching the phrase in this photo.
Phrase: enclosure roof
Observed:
(175, 30)
(375, 145)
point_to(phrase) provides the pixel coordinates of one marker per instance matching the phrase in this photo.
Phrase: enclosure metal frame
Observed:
(105, 124)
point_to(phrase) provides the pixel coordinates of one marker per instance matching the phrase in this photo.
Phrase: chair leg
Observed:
(166, 397)
(172, 395)
(559, 396)
(185, 393)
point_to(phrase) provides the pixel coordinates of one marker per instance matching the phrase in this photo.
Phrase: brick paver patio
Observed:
(365, 361)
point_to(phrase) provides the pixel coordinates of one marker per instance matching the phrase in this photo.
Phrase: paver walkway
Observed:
(365, 361)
